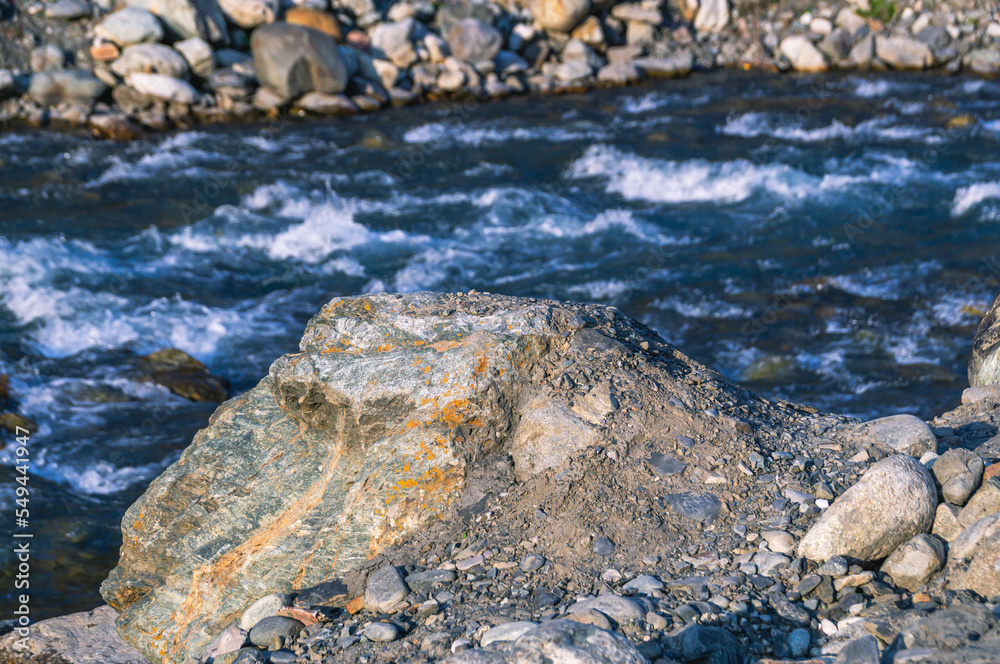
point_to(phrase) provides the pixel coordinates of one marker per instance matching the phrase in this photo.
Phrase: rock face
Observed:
(293, 60)
(88, 637)
(984, 365)
(893, 502)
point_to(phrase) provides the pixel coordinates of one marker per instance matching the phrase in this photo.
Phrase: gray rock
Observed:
(47, 57)
(983, 503)
(984, 364)
(915, 562)
(862, 650)
(959, 473)
(230, 639)
(421, 582)
(644, 584)
(946, 525)
(802, 54)
(473, 40)
(327, 593)
(972, 559)
(88, 637)
(835, 566)
(167, 88)
(508, 631)
(385, 590)
(531, 562)
(698, 506)
(249, 13)
(265, 607)
(68, 9)
(712, 16)
(788, 610)
(985, 61)
(604, 546)
(798, 642)
(902, 434)
(559, 15)
(183, 19)
(767, 562)
(389, 37)
(274, 626)
(619, 73)
(324, 104)
(574, 70)
(863, 52)
(381, 632)
(837, 44)
(663, 465)
(293, 60)
(130, 25)
(894, 501)
(779, 541)
(198, 55)
(150, 59)
(611, 605)
(903, 52)
(674, 65)
(567, 640)
(709, 645)
(65, 86)
(8, 84)
(981, 393)
(949, 628)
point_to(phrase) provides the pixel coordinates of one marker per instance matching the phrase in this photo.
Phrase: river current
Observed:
(831, 240)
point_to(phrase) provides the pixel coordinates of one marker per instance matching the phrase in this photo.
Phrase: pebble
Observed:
(508, 631)
(798, 642)
(468, 563)
(604, 546)
(779, 541)
(381, 632)
(644, 584)
(532, 562)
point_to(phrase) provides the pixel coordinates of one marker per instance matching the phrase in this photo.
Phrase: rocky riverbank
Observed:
(123, 67)
(481, 479)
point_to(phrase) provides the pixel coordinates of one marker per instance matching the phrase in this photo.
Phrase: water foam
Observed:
(971, 196)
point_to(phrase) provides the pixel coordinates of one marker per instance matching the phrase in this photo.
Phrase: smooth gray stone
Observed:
(273, 626)
(700, 507)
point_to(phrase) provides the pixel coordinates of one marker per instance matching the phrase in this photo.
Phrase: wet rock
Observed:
(712, 16)
(473, 40)
(183, 19)
(150, 59)
(559, 15)
(249, 13)
(86, 637)
(265, 607)
(265, 630)
(130, 25)
(317, 20)
(959, 473)
(802, 54)
(385, 590)
(901, 434)
(674, 65)
(173, 368)
(292, 60)
(915, 562)
(894, 501)
(903, 52)
(65, 86)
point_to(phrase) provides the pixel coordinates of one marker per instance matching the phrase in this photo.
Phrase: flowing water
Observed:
(831, 240)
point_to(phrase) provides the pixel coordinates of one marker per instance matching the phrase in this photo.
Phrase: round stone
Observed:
(273, 626)
(381, 632)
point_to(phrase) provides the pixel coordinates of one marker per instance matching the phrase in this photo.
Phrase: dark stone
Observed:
(788, 611)
(268, 628)
(424, 581)
(329, 593)
(863, 650)
(604, 546)
(183, 375)
(709, 645)
(700, 507)
(663, 465)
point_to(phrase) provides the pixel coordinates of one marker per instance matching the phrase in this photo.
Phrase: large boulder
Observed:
(88, 637)
(371, 432)
(150, 59)
(65, 86)
(292, 60)
(474, 40)
(984, 365)
(559, 15)
(188, 18)
(903, 52)
(894, 501)
(802, 54)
